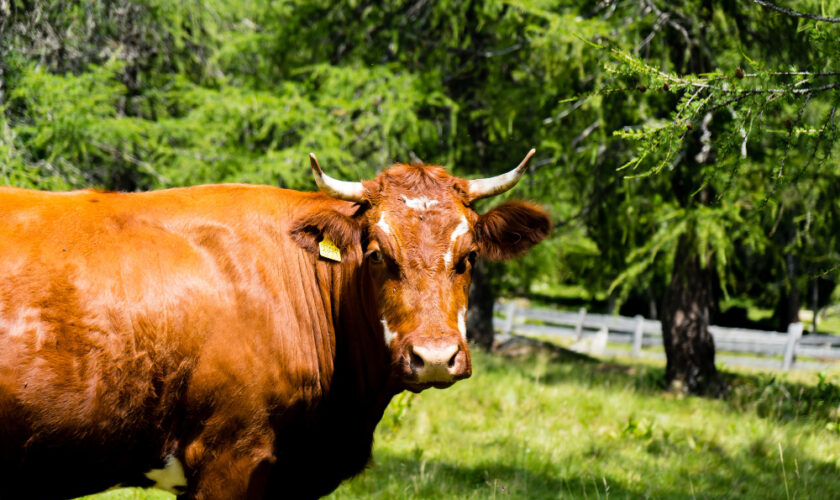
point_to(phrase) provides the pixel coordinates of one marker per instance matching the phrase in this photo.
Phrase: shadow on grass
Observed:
(418, 478)
(560, 365)
(754, 473)
(769, 395)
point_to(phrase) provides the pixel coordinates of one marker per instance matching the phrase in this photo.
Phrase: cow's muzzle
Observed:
(438, 362)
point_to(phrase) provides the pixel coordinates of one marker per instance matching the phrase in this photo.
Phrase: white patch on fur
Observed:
(462, 322)
(384, 225)
(389, 335)
(171, 478)
(461, 229)
(24, 321)
(422, 203)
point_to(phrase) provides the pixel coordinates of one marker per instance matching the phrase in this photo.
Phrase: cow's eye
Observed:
(375, 256)
(472, 256)
(461, 266)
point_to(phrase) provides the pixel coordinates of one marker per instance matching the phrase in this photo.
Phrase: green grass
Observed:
(546, 428)
(828, 324)
(132, 494)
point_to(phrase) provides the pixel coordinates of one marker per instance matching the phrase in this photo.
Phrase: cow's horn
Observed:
(350, 191)
(491, 186)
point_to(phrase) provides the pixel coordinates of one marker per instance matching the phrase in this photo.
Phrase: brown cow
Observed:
(197, 340)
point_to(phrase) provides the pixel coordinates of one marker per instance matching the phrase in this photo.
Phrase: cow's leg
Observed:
(231, 469)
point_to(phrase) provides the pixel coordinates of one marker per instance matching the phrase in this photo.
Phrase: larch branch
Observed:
(794, 13)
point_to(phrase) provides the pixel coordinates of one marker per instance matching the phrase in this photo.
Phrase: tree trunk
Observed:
(480, 312)
(787, 309)
(815, 300)
(689, 347)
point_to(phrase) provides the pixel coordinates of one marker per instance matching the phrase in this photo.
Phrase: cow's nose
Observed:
(437, 362)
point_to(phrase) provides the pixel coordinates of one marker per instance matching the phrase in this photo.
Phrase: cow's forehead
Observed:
(418, 187)
(421, 204)
(416, 201)
(430, 214)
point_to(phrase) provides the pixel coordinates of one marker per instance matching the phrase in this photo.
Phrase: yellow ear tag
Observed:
(328, 250)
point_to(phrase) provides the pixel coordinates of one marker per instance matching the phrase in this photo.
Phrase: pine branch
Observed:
(641, 66)
(480, 52)
(827, 125)
(780, 170)
(793, 13)
(793, 73)
(793, 124)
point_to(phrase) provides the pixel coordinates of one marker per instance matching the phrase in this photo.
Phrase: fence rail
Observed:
(590, 333)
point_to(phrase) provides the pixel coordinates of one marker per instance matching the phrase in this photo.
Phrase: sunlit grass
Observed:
(829, 323)
(538, 429)
(132, 494)
(544, 428)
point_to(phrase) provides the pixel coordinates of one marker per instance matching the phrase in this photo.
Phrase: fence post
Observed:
(509, 314)
(579, 324)
(794, 333)
(638, 336)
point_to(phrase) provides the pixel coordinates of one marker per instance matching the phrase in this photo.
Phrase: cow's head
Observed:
(420, 237)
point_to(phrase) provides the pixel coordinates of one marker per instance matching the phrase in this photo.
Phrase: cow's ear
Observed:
(309, 229)
(511, 229)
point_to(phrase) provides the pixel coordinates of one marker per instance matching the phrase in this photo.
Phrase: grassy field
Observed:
(543, 427)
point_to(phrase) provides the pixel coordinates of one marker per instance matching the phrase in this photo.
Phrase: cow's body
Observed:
(183, 322)
(197, 327)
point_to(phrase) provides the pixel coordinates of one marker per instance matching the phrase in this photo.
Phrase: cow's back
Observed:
(122, 316)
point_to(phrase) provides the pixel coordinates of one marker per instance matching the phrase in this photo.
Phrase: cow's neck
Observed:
(363, 363)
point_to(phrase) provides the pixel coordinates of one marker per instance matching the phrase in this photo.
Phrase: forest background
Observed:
(686, 149)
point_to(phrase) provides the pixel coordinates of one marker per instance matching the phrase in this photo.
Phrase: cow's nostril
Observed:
(452, 359)
(415, 360)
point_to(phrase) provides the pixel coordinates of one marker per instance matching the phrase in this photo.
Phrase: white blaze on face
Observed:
(421, 203)
(384, 225)
(171, 478)
(461, 229)
(389, 335)
(462, 322)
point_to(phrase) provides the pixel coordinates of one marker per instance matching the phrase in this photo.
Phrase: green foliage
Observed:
(398, 409)
(714, 231)
(165, 111)
(719, 118)
(748, 129)
(53, 144)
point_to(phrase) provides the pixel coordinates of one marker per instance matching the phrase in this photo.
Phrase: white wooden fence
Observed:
(774, 349)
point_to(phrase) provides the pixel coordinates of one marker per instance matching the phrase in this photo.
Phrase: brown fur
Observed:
(511, 229)
(201, 323)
